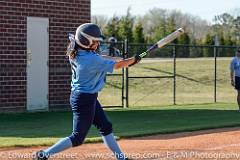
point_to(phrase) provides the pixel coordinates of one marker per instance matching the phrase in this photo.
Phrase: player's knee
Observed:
(77, 139)
(106, 129)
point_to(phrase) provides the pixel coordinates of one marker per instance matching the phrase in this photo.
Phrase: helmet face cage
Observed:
(86, 34)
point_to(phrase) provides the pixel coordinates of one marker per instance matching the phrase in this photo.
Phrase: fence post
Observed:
(123, 73)
(174, 74)
(216, 40)
(215, 74)
(126, 103)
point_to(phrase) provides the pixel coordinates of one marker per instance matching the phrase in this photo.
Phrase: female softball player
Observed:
(88, 73)
(235, 75)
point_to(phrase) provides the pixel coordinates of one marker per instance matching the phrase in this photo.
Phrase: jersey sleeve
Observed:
(232, 65)
(104, 65)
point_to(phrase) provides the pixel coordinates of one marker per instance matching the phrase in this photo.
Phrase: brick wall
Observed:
(64, 16)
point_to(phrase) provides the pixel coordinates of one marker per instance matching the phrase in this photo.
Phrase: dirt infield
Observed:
(208, 144)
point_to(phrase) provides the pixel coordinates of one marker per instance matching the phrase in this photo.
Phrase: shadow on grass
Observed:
(127, 123)
(178, 75)
(114, 85)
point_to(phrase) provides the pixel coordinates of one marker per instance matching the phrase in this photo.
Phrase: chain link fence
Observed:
(174, 74)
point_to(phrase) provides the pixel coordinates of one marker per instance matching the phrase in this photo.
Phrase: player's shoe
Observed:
(40, 155)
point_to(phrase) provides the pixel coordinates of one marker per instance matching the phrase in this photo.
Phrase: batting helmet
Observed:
(87, 33)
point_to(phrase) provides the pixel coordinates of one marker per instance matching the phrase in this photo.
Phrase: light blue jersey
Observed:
(235, 66)
(89, 71)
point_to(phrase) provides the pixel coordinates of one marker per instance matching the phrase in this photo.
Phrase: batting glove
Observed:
(138, 58)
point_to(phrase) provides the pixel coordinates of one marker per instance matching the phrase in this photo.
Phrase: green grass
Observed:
(194, 80)
(195, 84)
(29, 129)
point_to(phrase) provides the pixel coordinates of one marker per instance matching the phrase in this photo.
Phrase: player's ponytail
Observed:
(72, 47)
(71, 53)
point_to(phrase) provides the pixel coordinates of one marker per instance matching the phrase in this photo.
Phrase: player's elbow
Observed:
(123, 63)
(117, 66)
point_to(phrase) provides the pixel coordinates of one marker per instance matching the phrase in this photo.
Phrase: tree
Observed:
(236, 29)
(209, 40)
(125, 26)
(138, 36)
(208, 51)
(100, 20)
(224, 19)
(227, 27)
(154, 24)
(183, 51)
(158, 23)
(112, 27)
